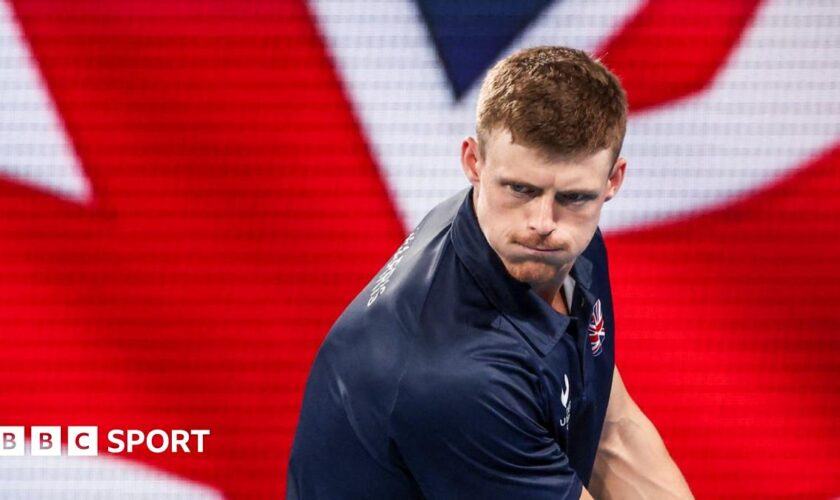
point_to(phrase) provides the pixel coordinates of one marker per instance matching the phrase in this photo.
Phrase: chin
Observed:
(533, 272)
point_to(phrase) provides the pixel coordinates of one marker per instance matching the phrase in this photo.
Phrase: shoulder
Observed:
(422, 267)
(383, 322)
(411, 270)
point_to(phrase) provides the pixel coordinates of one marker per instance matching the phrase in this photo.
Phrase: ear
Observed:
(617, 178)
(471, 161)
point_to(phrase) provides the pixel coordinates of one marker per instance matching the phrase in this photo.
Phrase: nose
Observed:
(542, 219)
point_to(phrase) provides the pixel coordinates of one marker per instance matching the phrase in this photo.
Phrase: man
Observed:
(479, 363)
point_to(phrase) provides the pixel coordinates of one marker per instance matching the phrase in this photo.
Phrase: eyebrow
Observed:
(584, 193)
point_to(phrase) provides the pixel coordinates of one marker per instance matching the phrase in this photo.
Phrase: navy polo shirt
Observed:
(448, 378)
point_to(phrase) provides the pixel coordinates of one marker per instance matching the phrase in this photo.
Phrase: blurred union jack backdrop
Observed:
(191, 192)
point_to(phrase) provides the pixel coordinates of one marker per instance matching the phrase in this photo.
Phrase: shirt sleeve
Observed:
(479, 432)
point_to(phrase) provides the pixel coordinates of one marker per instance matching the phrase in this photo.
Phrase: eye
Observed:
(575, 199)
(522, 189)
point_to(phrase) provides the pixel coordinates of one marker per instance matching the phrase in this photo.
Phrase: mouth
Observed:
(540, 250)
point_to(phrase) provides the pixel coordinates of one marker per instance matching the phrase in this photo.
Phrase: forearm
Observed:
(633, 463)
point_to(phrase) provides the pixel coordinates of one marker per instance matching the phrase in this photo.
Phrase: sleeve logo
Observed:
(385, 276)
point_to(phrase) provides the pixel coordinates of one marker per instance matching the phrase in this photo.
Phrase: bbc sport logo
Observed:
(83, 441)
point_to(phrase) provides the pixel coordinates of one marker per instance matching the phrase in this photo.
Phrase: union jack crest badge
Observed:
(597, 332)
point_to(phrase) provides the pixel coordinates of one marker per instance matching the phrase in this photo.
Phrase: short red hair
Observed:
(556, 99)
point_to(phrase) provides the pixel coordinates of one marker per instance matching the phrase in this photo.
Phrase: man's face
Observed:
(538, 214)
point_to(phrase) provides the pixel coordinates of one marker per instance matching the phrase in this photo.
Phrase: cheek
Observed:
(500, 217)
(500, 230)
(581, 227)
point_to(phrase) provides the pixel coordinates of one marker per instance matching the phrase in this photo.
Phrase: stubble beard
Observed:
(533, 272)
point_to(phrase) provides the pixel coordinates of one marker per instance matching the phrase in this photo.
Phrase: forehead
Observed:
(506, 159)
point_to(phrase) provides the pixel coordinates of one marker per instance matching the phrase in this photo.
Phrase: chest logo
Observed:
(567, 405)
(597, 332)
(564, 394)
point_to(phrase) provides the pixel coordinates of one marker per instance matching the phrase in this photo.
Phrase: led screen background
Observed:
(191, 192)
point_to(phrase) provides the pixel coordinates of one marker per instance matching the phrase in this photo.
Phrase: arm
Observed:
(632, 461)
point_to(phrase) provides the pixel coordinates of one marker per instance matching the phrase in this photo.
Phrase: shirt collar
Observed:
(517, 301)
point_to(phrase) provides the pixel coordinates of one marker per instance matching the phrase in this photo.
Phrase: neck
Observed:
(553, 294)
(548, 292)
